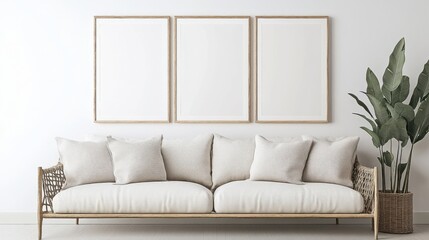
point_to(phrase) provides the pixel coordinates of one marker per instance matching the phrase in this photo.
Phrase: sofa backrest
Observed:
(214, 160)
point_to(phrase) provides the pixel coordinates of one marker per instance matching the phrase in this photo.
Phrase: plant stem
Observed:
(396, 167)
(383, 175)
(407, 175)
(399, 177)
(391, 168)
(390, 145)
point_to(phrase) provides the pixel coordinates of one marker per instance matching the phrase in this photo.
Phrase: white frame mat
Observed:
(292, 69)
(212, 69)
(132, 69)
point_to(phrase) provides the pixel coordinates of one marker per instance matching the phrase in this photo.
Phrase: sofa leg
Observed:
(39, 225)
(375, 224)
(337, 221)
(375, 205)
(39, 204)
(77, 221)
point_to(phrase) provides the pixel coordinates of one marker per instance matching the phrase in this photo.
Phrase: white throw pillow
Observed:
(137, 160)
(279, 161)
(85, 162)
(231, 159)
(188, 160)
(331, 160)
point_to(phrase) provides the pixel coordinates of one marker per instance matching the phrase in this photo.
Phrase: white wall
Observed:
(46, 76)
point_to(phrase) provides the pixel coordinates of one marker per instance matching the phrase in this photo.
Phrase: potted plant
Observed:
(394, 126)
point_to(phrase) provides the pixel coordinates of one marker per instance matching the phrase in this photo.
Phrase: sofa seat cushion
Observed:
(274, 197)
(146, 197)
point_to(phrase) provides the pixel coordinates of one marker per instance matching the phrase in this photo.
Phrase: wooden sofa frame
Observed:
(51, 181)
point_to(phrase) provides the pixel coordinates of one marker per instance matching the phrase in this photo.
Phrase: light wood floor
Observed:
(203, 232)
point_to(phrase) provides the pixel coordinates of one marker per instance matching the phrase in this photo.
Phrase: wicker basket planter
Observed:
(396, 212)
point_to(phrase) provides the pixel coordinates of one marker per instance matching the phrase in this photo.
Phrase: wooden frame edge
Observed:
(207, 215)
(130, 121)
(214, 16)
(292, 121)
(131, 16)
(168, 18)
(95, 70)
(328, 65)
(249, 82)
(291, 16)
(375, 204)
(211, 121)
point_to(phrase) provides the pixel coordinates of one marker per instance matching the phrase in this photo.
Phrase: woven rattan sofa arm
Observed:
(51, 181)
(365, 182)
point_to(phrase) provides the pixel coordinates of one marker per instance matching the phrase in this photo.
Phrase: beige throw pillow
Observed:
(137, 160)
(331, 160)
(279, 161)
(85, 162)
(188, 159)
(231, 159)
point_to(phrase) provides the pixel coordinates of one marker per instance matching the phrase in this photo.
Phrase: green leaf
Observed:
(424, 76)
(420, 122)
(394, 128)
(405, 111)
(401, 93)
(422, 89)
(373, 124)
(374, 136)
(380, 108)
(362, 104)
(380, 160)
(388, 158)
(387, 94)
(393, 75)
(404, 143)
(412, 130)
(415, 97)
(422, 134)
(373, 86)
(378, 122)
(392, 111)
(401, 168)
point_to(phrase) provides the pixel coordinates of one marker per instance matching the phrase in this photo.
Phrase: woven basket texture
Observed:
(396, 212)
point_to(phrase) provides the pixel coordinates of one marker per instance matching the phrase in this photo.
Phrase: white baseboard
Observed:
(31, 219)
(421, 218)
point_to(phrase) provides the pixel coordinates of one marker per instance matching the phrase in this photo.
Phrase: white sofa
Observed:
(236, 198)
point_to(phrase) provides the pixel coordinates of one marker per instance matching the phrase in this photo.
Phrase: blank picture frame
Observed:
(292, 56)
(132, 69)
(212, 69)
